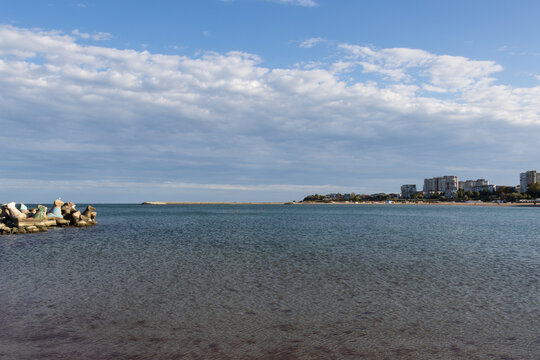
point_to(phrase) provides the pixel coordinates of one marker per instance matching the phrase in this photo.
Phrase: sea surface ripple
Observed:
(276, 282)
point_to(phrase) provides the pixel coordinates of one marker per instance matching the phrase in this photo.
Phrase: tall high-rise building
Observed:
(407, 191)
(526, 178)
(443, 184)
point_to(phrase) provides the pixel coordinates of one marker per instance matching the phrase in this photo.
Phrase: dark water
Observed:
(277, 282)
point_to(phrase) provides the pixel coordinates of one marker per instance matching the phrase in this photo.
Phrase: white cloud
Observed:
(309, 43)
(456, 72)
(98, 112)
(100, 184)
(100, 36)
(76, 32)
(432, 88)
(444, 71)
(307, 3)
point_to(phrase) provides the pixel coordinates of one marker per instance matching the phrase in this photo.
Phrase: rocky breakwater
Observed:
(18, 219)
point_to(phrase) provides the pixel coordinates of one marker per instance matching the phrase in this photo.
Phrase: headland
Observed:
(420, 203)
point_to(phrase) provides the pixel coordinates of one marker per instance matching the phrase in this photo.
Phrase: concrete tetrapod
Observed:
(15, 221)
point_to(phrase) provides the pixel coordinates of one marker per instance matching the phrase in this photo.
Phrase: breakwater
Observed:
(19, 219)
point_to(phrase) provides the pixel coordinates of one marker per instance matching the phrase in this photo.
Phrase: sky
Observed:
(263, 100)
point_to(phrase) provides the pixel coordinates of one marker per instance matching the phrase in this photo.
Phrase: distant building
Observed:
(431, 186)
(339, 196)
(490, 188)
(526, 178)
(443, 184)
(333, 196)
(476, 185)
(407, 191)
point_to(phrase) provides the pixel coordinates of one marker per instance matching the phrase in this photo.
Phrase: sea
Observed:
(276, 282)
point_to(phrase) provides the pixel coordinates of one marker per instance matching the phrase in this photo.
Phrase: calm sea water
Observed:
(278, 282)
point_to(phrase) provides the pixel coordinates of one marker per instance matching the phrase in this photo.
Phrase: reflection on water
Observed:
(273, 281)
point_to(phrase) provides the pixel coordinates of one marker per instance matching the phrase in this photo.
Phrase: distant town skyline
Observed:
(263, 100)
(450, 185)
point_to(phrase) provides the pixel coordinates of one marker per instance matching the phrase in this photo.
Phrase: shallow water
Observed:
(276, 281)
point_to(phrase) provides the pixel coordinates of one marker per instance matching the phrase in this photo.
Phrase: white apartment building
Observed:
(526, 178)
(478, 185)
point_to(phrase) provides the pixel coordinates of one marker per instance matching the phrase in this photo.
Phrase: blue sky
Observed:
(253, 100)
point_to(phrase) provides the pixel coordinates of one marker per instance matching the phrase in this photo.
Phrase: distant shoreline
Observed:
(425, 203)
(339, 203)
(209, 203)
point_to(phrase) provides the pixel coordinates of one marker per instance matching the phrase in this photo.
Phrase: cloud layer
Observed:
(371, 119)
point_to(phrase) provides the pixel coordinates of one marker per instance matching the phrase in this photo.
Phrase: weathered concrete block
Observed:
(18, 230)
(4, 229)
(34, 222)
(32, 229)
(62, 222)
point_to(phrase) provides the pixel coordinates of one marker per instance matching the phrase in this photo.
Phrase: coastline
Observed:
(424, 203)
(208, 203)
(339, 203)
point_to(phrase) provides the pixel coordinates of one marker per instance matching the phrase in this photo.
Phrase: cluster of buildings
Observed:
(450, 185)
(339, 196)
